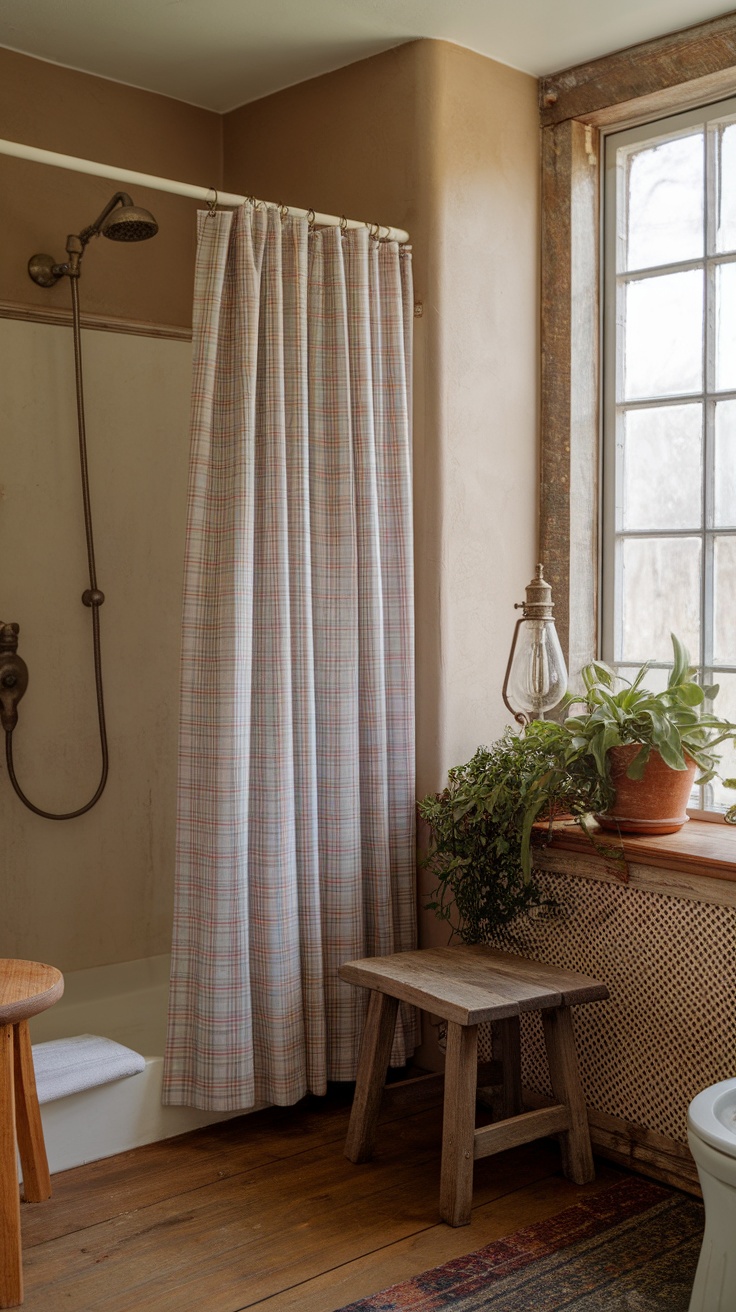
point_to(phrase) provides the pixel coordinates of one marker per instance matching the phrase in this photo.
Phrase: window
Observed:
(669, 430)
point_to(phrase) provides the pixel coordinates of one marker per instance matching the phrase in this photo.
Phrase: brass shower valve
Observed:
(13, 676)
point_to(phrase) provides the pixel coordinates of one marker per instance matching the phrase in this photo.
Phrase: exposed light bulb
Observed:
(538, 677)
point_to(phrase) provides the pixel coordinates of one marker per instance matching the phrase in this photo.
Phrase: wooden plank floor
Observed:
(265, 1212)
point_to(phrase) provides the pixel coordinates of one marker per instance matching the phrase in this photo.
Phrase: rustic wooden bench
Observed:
(467, 986)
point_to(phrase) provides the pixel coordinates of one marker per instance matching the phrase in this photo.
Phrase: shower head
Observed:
(120, 220)
(129, 223)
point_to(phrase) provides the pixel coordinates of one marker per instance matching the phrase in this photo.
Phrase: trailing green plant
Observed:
(677, 722)
(481, 825)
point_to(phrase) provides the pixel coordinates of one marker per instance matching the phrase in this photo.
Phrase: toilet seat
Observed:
(712, 1117)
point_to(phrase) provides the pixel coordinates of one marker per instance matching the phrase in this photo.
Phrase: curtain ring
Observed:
(311, 216)
(212, 204)
(375, 231)
(343, 223)
(283, 211)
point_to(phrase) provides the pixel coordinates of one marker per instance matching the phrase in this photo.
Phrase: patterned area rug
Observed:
(631, 1248)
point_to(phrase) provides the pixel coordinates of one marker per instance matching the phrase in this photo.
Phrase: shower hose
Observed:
(92, 597)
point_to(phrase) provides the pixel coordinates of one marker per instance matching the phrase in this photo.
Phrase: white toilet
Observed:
(712, 1137)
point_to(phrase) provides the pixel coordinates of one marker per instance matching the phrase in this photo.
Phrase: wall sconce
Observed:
(536, 675)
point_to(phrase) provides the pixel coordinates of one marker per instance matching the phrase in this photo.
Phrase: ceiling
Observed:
(222, 53)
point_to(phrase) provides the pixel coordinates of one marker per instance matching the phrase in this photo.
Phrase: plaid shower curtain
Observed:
(295, 844)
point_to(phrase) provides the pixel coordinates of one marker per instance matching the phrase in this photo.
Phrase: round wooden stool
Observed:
(26, 988)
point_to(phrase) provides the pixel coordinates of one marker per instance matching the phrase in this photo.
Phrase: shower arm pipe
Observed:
(72, 162)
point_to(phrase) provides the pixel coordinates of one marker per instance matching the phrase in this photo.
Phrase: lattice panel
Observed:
(669, 1028)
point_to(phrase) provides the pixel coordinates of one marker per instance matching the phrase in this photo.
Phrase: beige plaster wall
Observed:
(485, 382)
(76, 114)
(98, 888)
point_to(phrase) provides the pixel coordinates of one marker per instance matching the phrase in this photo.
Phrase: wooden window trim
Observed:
(698, 863)
(644, 82)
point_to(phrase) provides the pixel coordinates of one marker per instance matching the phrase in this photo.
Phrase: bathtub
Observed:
(126, 1002)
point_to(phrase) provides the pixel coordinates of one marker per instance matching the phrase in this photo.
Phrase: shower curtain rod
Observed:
(39, 156)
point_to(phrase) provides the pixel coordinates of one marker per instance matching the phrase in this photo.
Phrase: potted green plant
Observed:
(648, 746)
(481, 824)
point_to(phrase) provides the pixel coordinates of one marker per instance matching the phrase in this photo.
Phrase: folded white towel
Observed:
(66, 1066)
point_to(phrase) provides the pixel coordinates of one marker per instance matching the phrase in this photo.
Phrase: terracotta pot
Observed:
(654, 804)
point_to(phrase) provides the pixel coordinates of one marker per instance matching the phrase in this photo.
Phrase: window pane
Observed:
(663, 355)
(654, 680)
(724, 597)
(725, 464)
(725, 706)
(726, 187)
(726, 326)
(665, 202)
(660, 579)
(662, 467)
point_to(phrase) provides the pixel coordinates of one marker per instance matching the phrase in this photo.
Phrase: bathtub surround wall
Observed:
(96, 889)
(428, 136)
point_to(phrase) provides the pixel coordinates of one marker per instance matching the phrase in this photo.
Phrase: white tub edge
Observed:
(116, 1117)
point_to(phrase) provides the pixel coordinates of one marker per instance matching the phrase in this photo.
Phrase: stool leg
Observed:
(375, 1050)
(32, 1149)
(577, 1156)
(458, 1126)
(11, 1269)
(509, 1036)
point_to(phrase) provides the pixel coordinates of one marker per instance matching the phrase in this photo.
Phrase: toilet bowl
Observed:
(711, 1134)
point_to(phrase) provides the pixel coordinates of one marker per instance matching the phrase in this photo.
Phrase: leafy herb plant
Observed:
(676, 722)
(481, 825)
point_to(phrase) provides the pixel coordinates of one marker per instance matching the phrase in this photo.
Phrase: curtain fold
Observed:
(295, 844)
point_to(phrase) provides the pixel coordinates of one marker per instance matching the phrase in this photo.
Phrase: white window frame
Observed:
(613, 281)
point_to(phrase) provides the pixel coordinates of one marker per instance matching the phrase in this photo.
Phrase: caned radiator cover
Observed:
(669, 1027)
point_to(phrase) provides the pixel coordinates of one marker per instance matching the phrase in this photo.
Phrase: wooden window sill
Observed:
(698, 863)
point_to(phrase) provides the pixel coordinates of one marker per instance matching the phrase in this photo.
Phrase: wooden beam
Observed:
(640, 1149)
(705, 53)
(520, 1129)
(570, 382)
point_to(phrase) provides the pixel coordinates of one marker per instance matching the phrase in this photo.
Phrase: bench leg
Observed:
(31, 1147)
(458, 1126)
(11, 1268)
(509, 1037)
(577, 1156)
(375, 1052)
